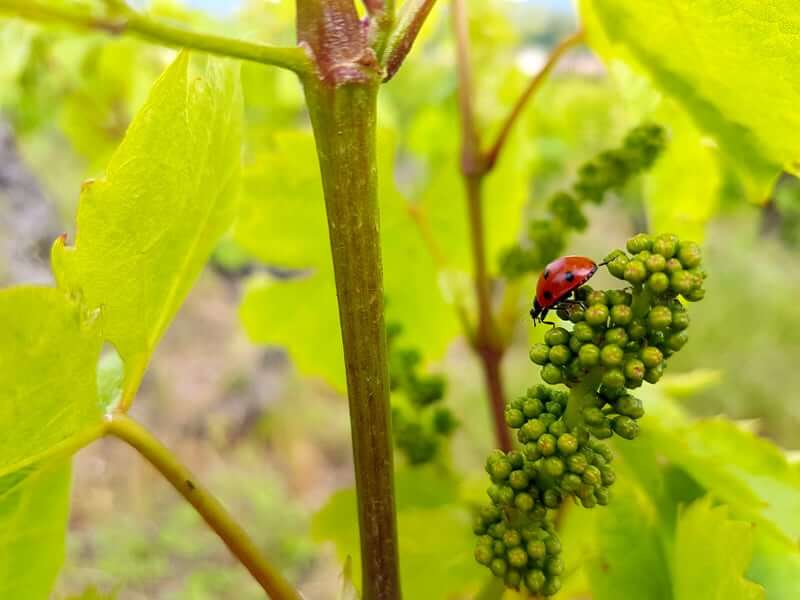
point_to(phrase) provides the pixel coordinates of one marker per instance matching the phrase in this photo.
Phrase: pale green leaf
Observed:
(146, 230)
(48, 359)
(733, 65)
(712, 554)
(33, 523)
(776, 567)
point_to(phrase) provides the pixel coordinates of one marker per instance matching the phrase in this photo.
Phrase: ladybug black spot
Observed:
(548, 294)
(569, 275)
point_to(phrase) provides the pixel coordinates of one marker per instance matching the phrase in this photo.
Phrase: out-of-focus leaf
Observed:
(683, 385)
(146, 230)
(33, 524)
(712, 554)
(618, 571)
(682, 189)
(731, 64)
(776, 567)
(48, 358)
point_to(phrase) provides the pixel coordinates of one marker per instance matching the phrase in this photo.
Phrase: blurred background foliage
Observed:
(270, 433)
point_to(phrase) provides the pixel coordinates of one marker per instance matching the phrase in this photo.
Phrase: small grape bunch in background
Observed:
(612, 342)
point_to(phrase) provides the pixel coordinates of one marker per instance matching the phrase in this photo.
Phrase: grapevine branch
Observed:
(123, 20)
(412, 16)
(488, 341)
(212, 511)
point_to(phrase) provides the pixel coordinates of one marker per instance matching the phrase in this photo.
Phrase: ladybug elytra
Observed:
(558, 280)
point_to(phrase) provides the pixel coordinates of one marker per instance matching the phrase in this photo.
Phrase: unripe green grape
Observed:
(532, 407)
(576, 463)
(567, 444)
(540, 354)
(596, 314)
(535, 581)
(656, 338)
(517, 557)
(556, 336)
(551, 499)
(576, 313)
(583, 331)
(617, 336)
(602, 432)
(499, 470)
(552, 586)
(689, 254)
(634, 369)
(637, 329)
(552, 374)
(621, 314)
(518, 480)
(570, 483)
(484, 554)
(494, 456)
(625, 427)
(546, 444)
(677, 340)
(553, 466)
(554, 407)
(513, 578)
(630, 406)
(589, 355)
(655, 263)
(596, 297)
(553, 544)
(658, 282)
(613, 254)
(478, 527)
(603, 451)
(639, 242)
(673, 266)
(589, 501)
(659, 318)
(635, 272)
(574, 344)
(602, 495)
(611, 355)
(592, 476)
(512, 538)
(514, 418)
(680, 319)
(695, 295)
(560, 355)
(536, 549)
(619, 297)
(499, 548)
(654, 374)
(524, 502)
(490, 514)
(666, 245)
(652, 356)
(516, 459)
(531, 451)
(617, 266)
(557, 428)
(682, 282)
(594, 416)
(499, 567)
(555, 566)
(613, 379)
(643, 256)
(533, 429)
(547, 419)
(607, 475)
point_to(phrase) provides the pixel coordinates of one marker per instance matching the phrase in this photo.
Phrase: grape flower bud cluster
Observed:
(618, 340)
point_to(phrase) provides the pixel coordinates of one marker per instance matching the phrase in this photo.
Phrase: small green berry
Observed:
(635, 272)
(518, 480)
(536, 549)
(583, 331)
(553, 466)
(589, 355)
(655, 263)
(567, 444)
(499, 567)
(515, 418)
(673, 266)
(512, 538)
(639, 242)
(634, 369)
(613, 379)
(630, 406)
(666, 245)
(540, 354)
(574, 344)
(611, 355)
(546, 444)
(651, 356)
(499, 470)
(560, 355)
(625, 427)
(621, 314)
(617, 336)
(535, 581)
(484, 554)
(607, 475)
(551, 499)
(689, 254)
(602, 495)
(637, 329)
(552, 374)
(517, 557)
(596, 297)
(513, 579)
(556, 336)
(658, 282)
(654, 374)
(682, 282)
(617, 297)
(677, 340)
(532, 407)
(558, 428)
(577, 463)
(533, 429)
(594, 416)
(555, 566)
(596, 314)
(552, 586)
(570, 483)
(592, 476)
(680, 319)
(695, 295)
(617, 266)
(659, 317)
(524, 502)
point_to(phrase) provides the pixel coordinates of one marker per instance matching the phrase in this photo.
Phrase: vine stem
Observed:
(212, 511)
(124, 20)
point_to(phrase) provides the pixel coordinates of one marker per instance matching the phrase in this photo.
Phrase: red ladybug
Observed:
(558, 280)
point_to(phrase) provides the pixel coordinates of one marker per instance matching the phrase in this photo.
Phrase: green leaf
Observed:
(619, 572)
(34, 511)
(776, 567)
(48, 359)
(146, 230)
(712, 554)
(733, 66)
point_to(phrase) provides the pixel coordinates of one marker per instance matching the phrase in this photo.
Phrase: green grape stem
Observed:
(573, 416)
(642, 299)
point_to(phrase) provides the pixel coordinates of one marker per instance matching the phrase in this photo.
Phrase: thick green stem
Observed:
(642, 300)
(344, 118)
(212, 511)
(573, 416)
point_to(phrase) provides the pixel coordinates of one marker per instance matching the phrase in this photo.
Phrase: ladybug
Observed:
(558, 280)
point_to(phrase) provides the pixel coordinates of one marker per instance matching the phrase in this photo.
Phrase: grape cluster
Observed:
(627, 338)
(545, 239)
(419, 422)
(524, 552)
(618, 340)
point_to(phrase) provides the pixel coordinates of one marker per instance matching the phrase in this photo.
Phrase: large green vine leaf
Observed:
(146, 230)
(712, 554)
(733, 65)
(48, 358)
(34, 509)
